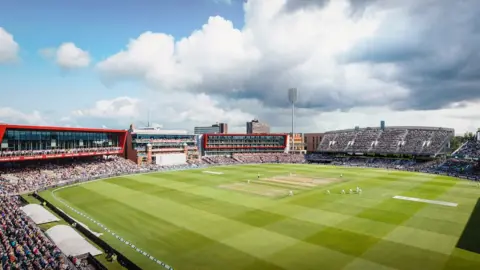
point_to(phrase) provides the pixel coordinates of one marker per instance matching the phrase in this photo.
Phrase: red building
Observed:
(227, 144)
(18, 142)
(312, 140)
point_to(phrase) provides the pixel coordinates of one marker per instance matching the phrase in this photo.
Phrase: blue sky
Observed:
(196, 62)
(100, 27)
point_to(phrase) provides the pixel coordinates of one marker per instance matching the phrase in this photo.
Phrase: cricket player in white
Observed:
(350, 191)
(343, 191)
(341, 175)
(249, 181)
(258, 176)
(291, 193)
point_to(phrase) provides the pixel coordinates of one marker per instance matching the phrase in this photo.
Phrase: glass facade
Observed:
(136, 136)
(229, 144)
(24, 140)
(214, 141)
(159, 141)
(228, 152)
(165, 143)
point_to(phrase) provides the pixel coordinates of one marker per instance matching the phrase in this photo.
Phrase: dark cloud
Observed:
(356, 6)
(432, 44)
(294, 5)
(437, 57)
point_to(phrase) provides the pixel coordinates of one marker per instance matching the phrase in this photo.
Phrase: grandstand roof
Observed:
(392, 127)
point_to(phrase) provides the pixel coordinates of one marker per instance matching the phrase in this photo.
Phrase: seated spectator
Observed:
(22, 244)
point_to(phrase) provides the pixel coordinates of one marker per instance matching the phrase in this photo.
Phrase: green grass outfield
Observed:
(184, 219)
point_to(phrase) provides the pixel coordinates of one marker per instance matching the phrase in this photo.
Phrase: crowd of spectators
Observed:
(239, 158)
(459, 168)
(269, 158)
(219, 160)
(390, 140)
(364, 161)
(14, 180)
(365, 139)
(471, 149)
(57, 151)
(35, 176)
(22, 243)
(468, 169)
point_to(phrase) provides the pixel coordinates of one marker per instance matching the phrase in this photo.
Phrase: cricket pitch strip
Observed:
(279, 185)
(256, 189)
(301, 181)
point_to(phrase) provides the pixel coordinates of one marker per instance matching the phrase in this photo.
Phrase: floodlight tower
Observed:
(292, 98)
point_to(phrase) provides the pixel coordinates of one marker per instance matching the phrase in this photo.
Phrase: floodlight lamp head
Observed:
(292, 95)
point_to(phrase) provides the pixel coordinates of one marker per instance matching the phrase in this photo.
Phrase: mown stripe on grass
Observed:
(157, 235)
(254, 217)
(292, 226)
(401, 256)
(249, 239)
(328, 219)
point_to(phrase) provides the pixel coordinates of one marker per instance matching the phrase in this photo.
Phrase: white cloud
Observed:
(67, 56)
(8, 47)
(186, 110)
(273, 51)
(12, 116)
(70, 56)
(178, 110)
(462, 118)
(121, 107)
(234, 74)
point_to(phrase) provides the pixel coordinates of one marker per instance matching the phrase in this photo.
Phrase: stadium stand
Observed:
(269, 158)
(471, 149)
(28, 178)
(238, 158)
(364, 140)
(391, 140)
(23, 245)
(41, 175)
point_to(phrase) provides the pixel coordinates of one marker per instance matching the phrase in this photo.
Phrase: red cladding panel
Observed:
(123, 139)
(2, 131)
(205, 139)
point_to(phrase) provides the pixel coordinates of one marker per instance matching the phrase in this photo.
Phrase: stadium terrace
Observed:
(148, 198)
(418, 141)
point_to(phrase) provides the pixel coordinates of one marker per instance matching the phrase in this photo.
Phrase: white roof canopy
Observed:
(70, 241)
(38, 214)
